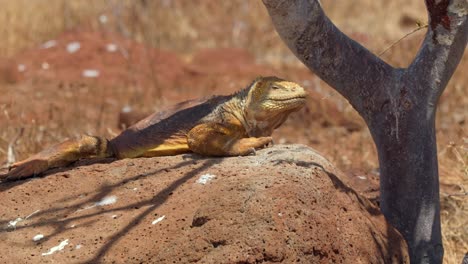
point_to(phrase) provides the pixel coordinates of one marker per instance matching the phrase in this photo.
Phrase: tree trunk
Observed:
(398, 105)
(409, 184)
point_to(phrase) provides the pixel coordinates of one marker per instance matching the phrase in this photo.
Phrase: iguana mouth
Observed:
(286, 99)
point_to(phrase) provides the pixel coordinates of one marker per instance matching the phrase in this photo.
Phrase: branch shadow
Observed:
(58, 217)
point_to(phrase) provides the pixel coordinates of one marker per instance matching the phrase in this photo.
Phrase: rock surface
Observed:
(286, 204)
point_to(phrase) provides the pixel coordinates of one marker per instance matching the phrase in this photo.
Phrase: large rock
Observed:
(286, 204)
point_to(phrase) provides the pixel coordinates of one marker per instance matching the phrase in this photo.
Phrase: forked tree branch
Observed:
(442, 48)
(398, 105)
(337, 59)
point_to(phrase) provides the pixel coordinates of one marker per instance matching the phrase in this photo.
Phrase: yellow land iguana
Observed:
(220, 126)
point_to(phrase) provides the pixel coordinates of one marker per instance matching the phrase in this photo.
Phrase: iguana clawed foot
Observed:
(57, 156)
(214, 139)
(25, 169)
(253, 151)
(252, 144)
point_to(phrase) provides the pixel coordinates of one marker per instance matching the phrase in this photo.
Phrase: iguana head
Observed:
(269, 102)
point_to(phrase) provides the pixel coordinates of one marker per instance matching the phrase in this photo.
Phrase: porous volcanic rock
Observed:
(286, 204)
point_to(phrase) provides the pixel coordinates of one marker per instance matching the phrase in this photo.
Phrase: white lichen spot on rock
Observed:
(107, 200)
(104, 201)
(90, 73)
(158, 220)
(56, 248)
(38, 237)
(73, 47)
(13, 223)
(205, 178)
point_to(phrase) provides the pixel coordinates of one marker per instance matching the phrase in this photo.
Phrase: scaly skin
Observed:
(220, 126)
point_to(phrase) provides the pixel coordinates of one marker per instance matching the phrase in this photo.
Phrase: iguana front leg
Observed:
(215, 139)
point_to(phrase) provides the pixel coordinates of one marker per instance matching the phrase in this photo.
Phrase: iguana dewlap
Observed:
(230, 125)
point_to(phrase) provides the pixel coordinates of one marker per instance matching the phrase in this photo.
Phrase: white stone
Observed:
(21, 67)
(45, 66)
(73, 47)
(90, 73)
(38, 237)
(111, 47)
(103, 19)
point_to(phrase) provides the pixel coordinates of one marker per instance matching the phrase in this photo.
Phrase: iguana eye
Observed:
(274, 87)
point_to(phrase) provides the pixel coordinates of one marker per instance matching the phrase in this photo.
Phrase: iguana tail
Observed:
(60, 155)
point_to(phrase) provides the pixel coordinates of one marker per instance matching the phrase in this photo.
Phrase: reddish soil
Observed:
(117, 60)
(46, 103)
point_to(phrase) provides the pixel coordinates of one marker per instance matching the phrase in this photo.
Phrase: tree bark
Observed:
(398, 105)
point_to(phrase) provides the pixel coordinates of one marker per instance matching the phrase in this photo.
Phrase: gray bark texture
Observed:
(397, 104)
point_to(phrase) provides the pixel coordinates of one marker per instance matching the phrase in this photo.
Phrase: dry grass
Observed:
(184, 26)
(187, 26)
